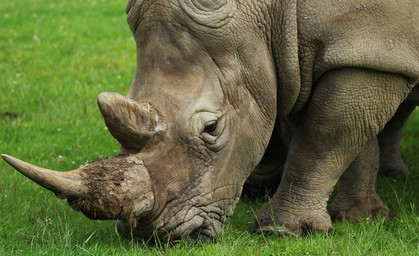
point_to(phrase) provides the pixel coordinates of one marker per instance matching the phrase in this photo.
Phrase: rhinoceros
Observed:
(214, 79)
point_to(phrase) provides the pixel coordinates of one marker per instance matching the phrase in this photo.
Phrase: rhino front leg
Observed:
(348, 108)
(391, 162)
(357, 198)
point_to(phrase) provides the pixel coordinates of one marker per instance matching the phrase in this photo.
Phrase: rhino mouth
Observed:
(191, 219)
(195, 230)
(199, 228)
(200, 217)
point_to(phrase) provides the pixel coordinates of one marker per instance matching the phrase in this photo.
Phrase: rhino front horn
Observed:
(133, 124)
(63, 184)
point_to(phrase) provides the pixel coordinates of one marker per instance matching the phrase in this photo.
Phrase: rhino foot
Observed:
(287, 223)
(391, 162)
(392, 168)
(356, 210)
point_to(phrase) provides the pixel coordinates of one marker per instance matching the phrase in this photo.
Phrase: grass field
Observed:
(55, 58)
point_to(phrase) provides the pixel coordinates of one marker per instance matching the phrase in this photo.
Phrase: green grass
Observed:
(55, 58)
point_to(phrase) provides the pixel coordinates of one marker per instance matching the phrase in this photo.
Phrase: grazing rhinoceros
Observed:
(213, 78)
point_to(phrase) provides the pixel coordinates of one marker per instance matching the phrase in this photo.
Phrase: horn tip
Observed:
(104, 100)
(101, 95)
(13, 161)
(7, 158)
(106, 96)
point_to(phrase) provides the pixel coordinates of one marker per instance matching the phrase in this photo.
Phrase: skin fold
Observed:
(226, 87)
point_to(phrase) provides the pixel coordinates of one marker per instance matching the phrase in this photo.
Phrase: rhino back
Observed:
(380, 35)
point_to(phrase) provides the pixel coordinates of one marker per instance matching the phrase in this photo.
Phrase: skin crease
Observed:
(333, 71)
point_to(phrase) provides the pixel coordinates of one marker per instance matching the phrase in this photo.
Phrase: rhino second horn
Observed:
(133, 124)
(63, 184)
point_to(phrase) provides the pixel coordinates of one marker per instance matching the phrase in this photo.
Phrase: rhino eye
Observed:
(211, 127)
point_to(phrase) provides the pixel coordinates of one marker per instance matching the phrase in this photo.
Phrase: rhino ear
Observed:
(131, 123)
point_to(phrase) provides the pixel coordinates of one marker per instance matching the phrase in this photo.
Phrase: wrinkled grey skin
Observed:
(213, 79)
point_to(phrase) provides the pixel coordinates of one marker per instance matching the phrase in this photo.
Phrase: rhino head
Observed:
(196, 121)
